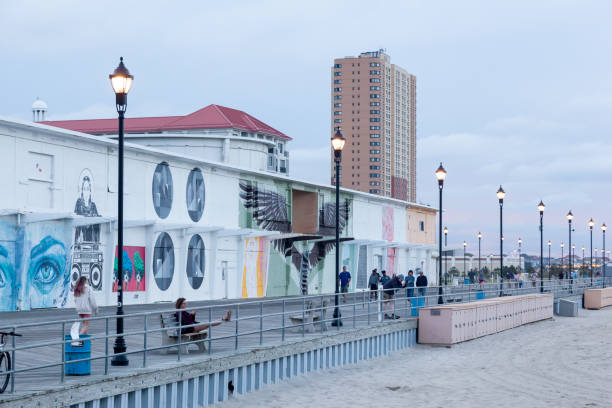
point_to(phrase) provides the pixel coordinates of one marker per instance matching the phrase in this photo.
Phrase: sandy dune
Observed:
(564, 362)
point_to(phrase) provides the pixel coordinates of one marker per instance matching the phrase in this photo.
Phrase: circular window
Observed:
(196, 261)
(162, 190)
(196, 194)
(163, 261)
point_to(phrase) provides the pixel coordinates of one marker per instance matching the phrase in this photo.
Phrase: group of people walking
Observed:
(391, 284)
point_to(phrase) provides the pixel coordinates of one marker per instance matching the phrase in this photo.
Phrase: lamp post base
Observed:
(120, 347)
(337, 322)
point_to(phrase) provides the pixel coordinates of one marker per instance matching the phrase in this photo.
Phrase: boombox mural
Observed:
(293, 262)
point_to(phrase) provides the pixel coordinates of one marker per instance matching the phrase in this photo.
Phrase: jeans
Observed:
(422, 291)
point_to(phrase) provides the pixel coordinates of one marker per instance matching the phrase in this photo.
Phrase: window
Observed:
(337, 73)
(280, 147)
(374, 96)
(375, 183)
(374, 127)
(374, 72)
(375, 88)
(374, 112)
(337, 105)
(374, 119)
(374, 151)
(337, 81)
(375, 64)
(375, 135)
(337, 97)
(374, 175)
(374, 167)
(337, 65)
(374, 103)
(337, 113)
(375, 80)
(337, 89)
(421, 226)
(374, 143)
(374, 159)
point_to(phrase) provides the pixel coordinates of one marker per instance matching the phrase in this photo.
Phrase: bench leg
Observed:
(201, 346)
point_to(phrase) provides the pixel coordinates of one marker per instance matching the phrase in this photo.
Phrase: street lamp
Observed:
(591, 225)
(562, 245)
(501, 194)
(570, 217)
(541, 208)
(479, 238)
(549, 265)
(121, 81)
(441, 176)
(337, 142)
(446, 257)
(464, 263)
(583, 256)
(603, 251)
(520, 242)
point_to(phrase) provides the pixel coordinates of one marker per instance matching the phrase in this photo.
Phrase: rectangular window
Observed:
(374, 151)
(374, 167)
(374, 159)
(375, 135)
(374, 103)
(375, 183)
(375, 80)
(337, 65)
(375, 88)
(375, 96)
(280, 148)
(374, 143)
(421, 226)
(337, 73)
(374, 112)
(375, 64)
(337, 81)
(337, 89)
(337, 120)
(374, 175)
(337, 97)
(374, 72)
(374, 119)
(374, 127)
(337, 113)
(337, 105)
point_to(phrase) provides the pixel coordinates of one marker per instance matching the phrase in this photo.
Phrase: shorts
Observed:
(344, 289)
(481, 280)
(84, 315)
(387, 296)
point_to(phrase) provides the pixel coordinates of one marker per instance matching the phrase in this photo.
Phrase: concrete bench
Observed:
(170, 334)
(310, 318)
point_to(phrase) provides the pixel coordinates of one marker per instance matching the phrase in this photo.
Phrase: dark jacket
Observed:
(391, 285)
(421, 281)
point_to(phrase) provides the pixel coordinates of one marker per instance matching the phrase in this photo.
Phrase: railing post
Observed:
(303, 316)
(106, 347)
(14, 365)
(63, 353)
(369, 301)
(321, 320)
(379, 305)
(180, 334)
(144, 349)
(237, 318)
(283, 323)
(261, 323)
(354, 310)
(210, 330)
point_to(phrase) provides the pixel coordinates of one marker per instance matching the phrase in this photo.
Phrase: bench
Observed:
(309, 317)
(170, 334)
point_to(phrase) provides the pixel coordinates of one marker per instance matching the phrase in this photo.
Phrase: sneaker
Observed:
(387, 316)
(396, 316)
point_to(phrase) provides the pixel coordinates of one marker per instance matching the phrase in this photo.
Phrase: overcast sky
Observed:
(517, 93)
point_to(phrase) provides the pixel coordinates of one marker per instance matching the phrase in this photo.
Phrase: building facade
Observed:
(374, 105)
(194, 227)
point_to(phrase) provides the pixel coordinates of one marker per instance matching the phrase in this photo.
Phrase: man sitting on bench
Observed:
(188, 318)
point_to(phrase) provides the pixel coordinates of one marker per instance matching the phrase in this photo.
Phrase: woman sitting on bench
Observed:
(188, 318)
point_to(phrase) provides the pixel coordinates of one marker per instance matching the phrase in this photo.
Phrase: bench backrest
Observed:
(168, 321)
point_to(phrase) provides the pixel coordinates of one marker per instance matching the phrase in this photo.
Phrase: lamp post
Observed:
(121, 81)
(549, 265)
(591, 224)
(562, 245)
(583, 256)
(520, 243)
(570, 217)
(441, 176)
(446, 257)
(464, 262)
(603, 251)
(479, 238)
(500, 196)
(337, 142)
(541, 208)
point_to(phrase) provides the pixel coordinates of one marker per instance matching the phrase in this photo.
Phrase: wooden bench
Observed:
(309, 317)
(170, 334)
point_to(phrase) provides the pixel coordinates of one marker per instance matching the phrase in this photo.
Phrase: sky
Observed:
(517, 93)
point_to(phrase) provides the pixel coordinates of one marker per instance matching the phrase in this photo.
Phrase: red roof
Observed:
(210, 117)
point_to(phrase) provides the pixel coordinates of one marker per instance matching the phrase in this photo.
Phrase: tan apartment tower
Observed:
(374, 105)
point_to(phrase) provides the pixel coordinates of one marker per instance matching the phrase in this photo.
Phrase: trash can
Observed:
(480, 295)
(416, 304)
(78, 352)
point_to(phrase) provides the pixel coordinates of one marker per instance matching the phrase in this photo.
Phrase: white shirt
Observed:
(86, 303)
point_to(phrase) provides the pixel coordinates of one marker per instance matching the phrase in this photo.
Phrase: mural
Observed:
(47, 280)
(133, 269)
(8, 277)
(196, 195)
(163, 261)
(255, 271)
(388, 230)
(87, 250)
(196, 261)
(162, 190)
(269, 212)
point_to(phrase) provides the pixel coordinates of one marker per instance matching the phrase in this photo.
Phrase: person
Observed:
(389, 289)
(385, 278)
(521, 279)
(472, 277)
(534, 278)
(409, 283)
(560, 276)
(188, 318)
(421, 283)
(481, 278)
(515, 278)
(85, 302)
(373, 284)
(344, 279)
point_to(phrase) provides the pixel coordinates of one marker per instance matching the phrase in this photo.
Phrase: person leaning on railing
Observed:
(421, 283)
(187, 318)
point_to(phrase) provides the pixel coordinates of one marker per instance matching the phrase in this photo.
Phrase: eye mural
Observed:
(196, 261)
(163, 261)
(162, 190)
(195, 195)
(87, 250)
(7, 280)
(47, 276)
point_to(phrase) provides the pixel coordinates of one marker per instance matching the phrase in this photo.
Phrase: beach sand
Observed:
(563, 362)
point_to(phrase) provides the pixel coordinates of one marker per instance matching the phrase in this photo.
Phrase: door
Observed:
(224, 277)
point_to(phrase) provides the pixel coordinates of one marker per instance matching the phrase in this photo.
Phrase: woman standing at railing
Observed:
(85, 302)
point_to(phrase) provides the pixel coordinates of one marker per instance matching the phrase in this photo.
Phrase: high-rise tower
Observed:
(374, 105)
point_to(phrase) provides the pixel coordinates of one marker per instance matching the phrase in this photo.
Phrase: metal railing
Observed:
(252, 323)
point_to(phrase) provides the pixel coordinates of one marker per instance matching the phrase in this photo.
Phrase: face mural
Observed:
(163, 261)
(133, 269)
(196, 261)
(162, 190)
(196, 195)
(87, 250)
(8, 290)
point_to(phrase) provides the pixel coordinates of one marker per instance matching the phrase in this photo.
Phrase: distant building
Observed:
(214, 133)
(374, 105)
